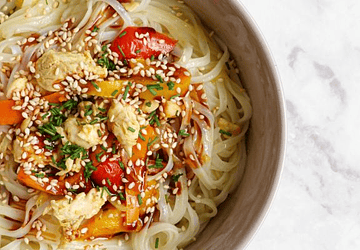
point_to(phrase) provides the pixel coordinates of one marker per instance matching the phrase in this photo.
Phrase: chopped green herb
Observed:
(148, 104)
(157, 243)
(121, 195)
(94, 121)
(152, 58)
(89, 112)
(88, 169)
(71, 190)
(121, 165)
(158, 163)
(159, 78)
(95, 29)
(107, 190)
(113, 149)
(171, 85)
(103, 148)
(97, 156)
(48, 147)
(126, 91)
(47, 129)
(108, 181)
(131, 129)
(115, 92)
(44, 116)
(175, 178)
(225, 132)
(95, 85)
(72, 151)
(122, 34)
(138, 51)
(174, 96)
(101, 109)
(141, 136)
(53, 159)
(151, 141)
(156, 120)
(54, 104)
(139, 199)
(70, 104)
(122, 52)
(99, 133)
(151, 88)
(104, 48)
(39, 175)
(183, 133)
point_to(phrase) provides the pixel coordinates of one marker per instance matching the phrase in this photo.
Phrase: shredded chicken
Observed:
(85, 136)
(17, 85)
(84, 206)
(124, 124)
(71, 166)
(53, 67)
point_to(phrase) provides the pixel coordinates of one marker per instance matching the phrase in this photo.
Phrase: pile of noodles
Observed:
(204, 57)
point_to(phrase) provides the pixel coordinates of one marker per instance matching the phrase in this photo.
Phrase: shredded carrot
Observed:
(8, 116)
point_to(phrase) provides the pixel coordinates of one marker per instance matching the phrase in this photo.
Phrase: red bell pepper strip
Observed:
(141, 42)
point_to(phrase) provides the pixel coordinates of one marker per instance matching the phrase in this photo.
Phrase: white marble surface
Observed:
(316, 46)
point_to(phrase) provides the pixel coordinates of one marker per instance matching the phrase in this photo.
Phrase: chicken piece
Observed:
(149, 106)
(171, 109)
(53, 67)
(71, 166)
(85, 136)
(84, 206)
(228, 127)
(15, 86)
(124, 124)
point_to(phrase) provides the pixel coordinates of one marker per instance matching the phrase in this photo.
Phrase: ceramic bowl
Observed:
(241, 214)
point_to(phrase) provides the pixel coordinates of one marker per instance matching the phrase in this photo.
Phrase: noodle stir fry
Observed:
(122, 124)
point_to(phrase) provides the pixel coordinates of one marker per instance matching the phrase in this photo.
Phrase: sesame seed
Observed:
(131, 185)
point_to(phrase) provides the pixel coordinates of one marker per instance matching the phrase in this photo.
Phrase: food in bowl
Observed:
(123, 124)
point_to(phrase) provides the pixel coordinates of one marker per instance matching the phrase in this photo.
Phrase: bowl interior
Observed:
(242, 213)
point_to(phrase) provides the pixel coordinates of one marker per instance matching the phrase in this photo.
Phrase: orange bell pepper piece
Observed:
(9, 116)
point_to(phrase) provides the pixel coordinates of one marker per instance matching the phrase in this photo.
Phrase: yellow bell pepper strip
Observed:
(155, 88)
(106, 223)
(110, 220)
